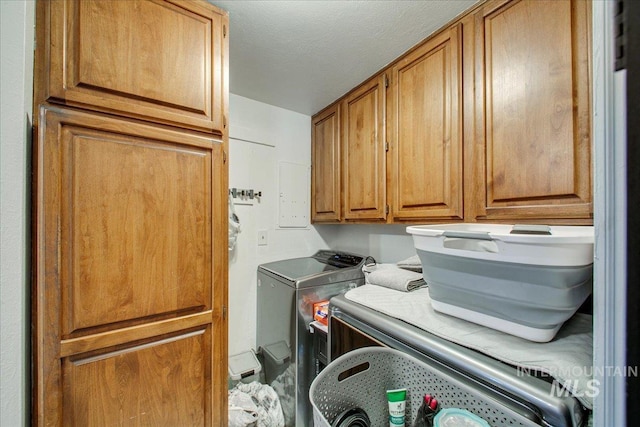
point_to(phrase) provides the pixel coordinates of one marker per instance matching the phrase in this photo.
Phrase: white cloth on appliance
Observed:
(257, 402)
(568, 357)
(393, 277)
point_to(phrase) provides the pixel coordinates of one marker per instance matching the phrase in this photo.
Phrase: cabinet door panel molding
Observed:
(425, 131)
(158, 60)
(363, 161)
(326, 171)
(534, 114)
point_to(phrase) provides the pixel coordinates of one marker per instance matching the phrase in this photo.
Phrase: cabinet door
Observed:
(158, 60)
(325, 165)
(425, 131)
(128, 325)
(531, 156)
(345, 338)
(364, 163)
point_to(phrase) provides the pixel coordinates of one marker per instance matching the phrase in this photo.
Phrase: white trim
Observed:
(17, 19)
(252, 135)
(609, 143)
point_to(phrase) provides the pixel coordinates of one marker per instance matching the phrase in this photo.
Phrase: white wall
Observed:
(262, 136)
(384, 242)
(16, 47)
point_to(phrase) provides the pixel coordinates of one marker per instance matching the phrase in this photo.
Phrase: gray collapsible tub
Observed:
(522, 280)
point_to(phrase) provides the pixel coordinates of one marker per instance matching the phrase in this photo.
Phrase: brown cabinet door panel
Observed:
(135, 223)
(425, 131)
(536, 109)
(345, 338)
(158, 383)
(325, 166)
(364, 163)
(124, 256)
(147, 59)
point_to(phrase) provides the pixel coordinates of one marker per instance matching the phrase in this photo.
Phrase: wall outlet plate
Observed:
(262, 237)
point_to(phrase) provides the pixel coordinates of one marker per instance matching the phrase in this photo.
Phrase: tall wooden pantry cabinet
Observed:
(130, 242)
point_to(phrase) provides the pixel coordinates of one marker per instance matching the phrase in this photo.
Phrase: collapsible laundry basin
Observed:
(360, 379)
(522, 280)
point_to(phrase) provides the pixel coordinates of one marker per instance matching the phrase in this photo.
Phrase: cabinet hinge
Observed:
(224, 312)
(620, 36)
(224, 31)
(386, 146)
(386, 81)
(386, 209)
(224, 122)
(224, 157)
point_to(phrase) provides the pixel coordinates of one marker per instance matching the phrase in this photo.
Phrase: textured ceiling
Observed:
(302, 55)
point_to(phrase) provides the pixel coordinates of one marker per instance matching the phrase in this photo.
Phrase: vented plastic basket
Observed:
(360, 378)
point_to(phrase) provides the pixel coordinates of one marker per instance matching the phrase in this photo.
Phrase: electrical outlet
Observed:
(262, 237)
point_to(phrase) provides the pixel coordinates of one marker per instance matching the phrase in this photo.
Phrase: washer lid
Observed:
(323, 267)
(298, 268)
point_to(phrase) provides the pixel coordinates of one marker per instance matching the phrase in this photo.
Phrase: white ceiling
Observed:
(303, 54)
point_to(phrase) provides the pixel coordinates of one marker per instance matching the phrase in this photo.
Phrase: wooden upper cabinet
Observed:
(363, 148)
(488, 120)
(159, 60)
(531, 151)
(424, 130)
(325, 165)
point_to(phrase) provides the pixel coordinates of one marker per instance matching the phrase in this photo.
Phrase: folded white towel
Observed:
(392, 277)
(412, 263)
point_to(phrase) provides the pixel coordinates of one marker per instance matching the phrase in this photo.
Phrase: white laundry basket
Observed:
(360, 378)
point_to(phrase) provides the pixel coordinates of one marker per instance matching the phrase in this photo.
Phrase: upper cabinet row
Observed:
(163, 63)
(487, 120)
